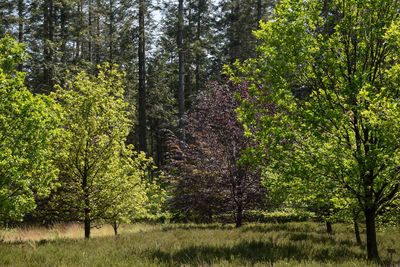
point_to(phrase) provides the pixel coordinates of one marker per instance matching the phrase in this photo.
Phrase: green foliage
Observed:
(103, 178)
(332, 70)
(28, 127)
(341, 131)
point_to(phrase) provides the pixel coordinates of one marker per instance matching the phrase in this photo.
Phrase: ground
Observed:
(289, 244)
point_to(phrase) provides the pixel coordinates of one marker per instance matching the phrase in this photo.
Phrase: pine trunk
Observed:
(63, 18)
(259, 13)
(198, 34)
(110, 29)
(48, 52)
(90, 38)
(142, 79)
(20, 26)
(181, 89)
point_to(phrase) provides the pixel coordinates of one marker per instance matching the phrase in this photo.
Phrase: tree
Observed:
(346, 129)
(100, 172)
(238, 18)
(125, 193)
(210, 179)
(181, 68)
(28, 128)
(142, 78)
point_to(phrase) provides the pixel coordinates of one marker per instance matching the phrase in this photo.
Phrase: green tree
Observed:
(28, 125)
(101, 175)
(123, 193)
(346, 130)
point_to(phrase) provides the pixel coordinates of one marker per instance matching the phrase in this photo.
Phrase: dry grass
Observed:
(66, 231)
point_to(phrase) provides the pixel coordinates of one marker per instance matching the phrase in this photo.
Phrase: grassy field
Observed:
(290, 244)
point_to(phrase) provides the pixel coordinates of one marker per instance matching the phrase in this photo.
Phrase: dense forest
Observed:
(115, 111)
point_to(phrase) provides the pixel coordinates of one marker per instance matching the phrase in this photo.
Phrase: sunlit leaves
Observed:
(28, 131)
(332, 70)
(101, 174)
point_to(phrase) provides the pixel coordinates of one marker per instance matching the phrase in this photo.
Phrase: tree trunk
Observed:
(239, 215)
(372, 247)
(357, 232)
(111, 26)
(259, 13)
(20, 20)
(329, 227)
(20, 26)
(87, 224)
(115, 227)
(63, 21)
(159, 148)
(90, 37)
(198, 34)
(78, 38)
(86, 208)
(181, 89)
(97, 42)
(142, 79)
(48, 38)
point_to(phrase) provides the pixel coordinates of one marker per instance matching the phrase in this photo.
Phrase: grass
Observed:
(289, 244)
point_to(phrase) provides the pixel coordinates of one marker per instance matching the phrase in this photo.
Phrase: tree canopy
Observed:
(101, 175)
(332, 69)
(28, 127)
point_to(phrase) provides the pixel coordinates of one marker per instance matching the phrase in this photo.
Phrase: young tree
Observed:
(28, 126)
(211, 180)
(346, 55)
(125, 193)
(100, 172)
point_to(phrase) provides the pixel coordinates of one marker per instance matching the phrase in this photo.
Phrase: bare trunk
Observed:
(90, 32)
(87, 225)
(329, 228)
(111, 26)
(115, 227)
(86, 202)
(372, 247)
(48, 52)
(63, 18)
(142, 79)
(78, 39)
(198, 34)
(181, 89)
(239, 215)
(357, 232)
(20, 26)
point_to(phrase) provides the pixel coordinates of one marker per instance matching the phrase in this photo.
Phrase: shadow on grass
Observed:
(198, 226)
(254, 252)
(321, 239)
(287, 227)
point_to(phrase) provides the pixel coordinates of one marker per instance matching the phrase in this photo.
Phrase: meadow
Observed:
(286, 244)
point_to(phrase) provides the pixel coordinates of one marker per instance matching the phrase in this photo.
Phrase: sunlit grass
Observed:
(67, 230)
(289, 244)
